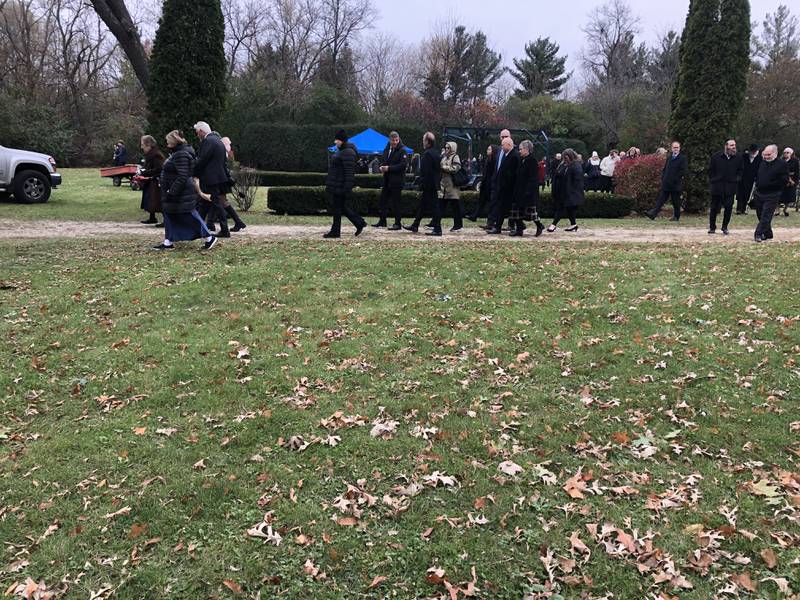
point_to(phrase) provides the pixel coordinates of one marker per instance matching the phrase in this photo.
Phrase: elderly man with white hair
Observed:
(772, 178)
(789, 194)
(211, 172)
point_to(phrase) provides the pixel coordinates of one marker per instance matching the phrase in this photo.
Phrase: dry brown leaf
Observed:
(379, 579)
(769, 558)
(347, 521)
(233, 586)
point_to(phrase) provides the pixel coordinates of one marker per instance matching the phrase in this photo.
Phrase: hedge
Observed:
(314, 201)
(282, 179)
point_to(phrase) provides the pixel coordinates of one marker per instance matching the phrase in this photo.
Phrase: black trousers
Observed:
(765, 210)
(217, 207)
(720, 201)
(676, 202)
(429, 203)
(743, 196)
(502, 210)
(571, 212)
(390, 203)
(339, 208)
(606, 183)
(482, 201)
(458, 221)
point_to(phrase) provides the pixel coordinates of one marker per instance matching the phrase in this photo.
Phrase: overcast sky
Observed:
(509, 24)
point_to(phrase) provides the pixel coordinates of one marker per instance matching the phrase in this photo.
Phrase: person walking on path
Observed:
(394, 163)
(210, 171)
(568, 192)
(505, 180)
(671, 183)
(751, 160)
(151, 190)
(526, 192)
(450, 192)
(771, 180)
(485, 192)
(724, 175)
(789, 194)
(182, 222)
(430, 176)
(339, 185)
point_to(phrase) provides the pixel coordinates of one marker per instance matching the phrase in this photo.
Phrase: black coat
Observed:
(487, 175)
(724, 174)
(526, 190)
(430, 171)
(178, 194)
(397, 162)
(120, 156)
(505, 178)
(342, 170)
(673, 173)
(772, 176)
(210, 166)
(153, 165)
(573, 185)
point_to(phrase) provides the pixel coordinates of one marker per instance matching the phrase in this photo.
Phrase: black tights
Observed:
(570, 211)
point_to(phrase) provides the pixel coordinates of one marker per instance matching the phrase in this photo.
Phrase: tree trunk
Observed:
(115, 15)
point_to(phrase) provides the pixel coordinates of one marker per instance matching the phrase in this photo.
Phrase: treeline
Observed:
(67, 88)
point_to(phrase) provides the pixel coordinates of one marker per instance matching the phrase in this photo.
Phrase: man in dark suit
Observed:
(393, 166)
(210, 170)
(430, 178)
(724, 174)
(751, 160)
(503, 184)
(672, 182)
(771, 179)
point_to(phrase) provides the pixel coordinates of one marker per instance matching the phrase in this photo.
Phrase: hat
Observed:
(341, 135)
(753, 148)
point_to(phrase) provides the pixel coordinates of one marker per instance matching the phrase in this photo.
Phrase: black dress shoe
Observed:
(239, 227)
(412, 228)
(331, 236)
(494, 231)
(149, 222)
(651, 214)
(360, 228)
(712, 231)
(435, 232)
(224, 234)
(471, 218)
(725, 232)
(395, 227)
(379, 224)
(539, 229)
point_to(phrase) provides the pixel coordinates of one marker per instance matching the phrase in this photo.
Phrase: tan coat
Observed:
(450, 164)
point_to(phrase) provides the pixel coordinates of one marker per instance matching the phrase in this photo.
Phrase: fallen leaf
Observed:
(510, 468)
(769, 558)
(379, 579)
(233, 586)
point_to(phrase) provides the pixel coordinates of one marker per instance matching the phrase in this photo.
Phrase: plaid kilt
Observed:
(524, 213)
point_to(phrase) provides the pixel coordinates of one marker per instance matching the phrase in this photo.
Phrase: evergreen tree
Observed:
(712, 79)
(187, 67)
(542, 71)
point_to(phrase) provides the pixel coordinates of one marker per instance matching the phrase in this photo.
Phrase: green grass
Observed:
(538, 356)
(85, 196)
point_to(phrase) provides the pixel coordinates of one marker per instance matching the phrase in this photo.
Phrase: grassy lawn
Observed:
(85, 196)
(560, 422)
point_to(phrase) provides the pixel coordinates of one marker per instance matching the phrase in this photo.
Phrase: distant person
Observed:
(551, 171)
(505, 181)
(751, 160)
(394, 163)
(151, 189)
(607, 167)
(672, 175)
(485, 192)
(724, 174)
(430, 174)
(789, 195)
(771, 180)
(542, 173)
(449, 191)
(592, 170)
(526, 192)
(182, 222)
(339, 185)
(375, 166)
(568, 191)
(120, 154)
(634, 152)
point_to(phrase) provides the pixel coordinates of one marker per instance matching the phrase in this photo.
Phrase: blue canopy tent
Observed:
(370, 141)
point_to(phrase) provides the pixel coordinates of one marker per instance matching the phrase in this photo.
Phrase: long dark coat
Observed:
(674, 171)
(177, 185)
(153, 164)
(211, 162)
(430, 171)
(724, 174)
(487, 175)
(397, 161)
(526, 189)
(342, 170)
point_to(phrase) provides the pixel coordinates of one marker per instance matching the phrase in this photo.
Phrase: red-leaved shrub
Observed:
(640, 179)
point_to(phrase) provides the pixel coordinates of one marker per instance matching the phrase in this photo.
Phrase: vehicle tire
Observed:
(31, 187)
(117, 181)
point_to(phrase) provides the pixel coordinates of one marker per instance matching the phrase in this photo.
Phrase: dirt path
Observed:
(10, 229)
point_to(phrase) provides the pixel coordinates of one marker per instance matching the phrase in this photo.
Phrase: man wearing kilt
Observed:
(525, 204)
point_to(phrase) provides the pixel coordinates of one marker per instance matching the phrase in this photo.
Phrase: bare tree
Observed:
(385, 66)
(343, 19)
(117, 18)
(244, 24)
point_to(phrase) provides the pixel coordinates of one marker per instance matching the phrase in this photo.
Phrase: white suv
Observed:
(29, 176)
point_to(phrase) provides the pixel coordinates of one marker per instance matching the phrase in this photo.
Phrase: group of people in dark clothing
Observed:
(190, 190)
(509, 186)
(762, 180)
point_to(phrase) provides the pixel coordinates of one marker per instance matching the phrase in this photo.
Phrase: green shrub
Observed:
(314, 201)
(281, 179)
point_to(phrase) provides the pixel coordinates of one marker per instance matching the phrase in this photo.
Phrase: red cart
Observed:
(117, 174)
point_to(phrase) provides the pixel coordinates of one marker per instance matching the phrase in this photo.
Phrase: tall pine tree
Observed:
(187, 67)
(710, 92)
(542, 71)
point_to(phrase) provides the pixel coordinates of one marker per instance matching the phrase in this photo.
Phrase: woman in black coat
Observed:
(151, 190)
(339, 185)
(179, 198)
(789, 194)
(526, 192)
(485, 194)
(567, 190)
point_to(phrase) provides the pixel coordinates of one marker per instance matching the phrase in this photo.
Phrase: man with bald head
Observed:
(772, 178)
(505, 180)
(724, 173)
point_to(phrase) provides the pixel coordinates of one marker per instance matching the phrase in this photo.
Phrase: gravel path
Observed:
(10, 229)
